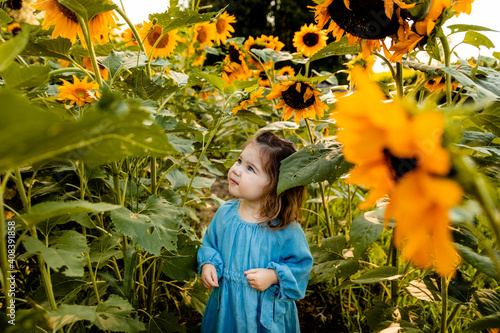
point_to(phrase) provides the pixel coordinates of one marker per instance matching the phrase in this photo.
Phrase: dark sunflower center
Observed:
(221, 26)
(295, 99)
(310, 39)
(365, 19)
(154, 35)
(16, 31)
(234, 55)
(257, 47)
(399, 166)
(66, 12)
(15, 4)
(202, 36)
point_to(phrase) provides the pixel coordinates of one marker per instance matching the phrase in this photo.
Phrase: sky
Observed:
(482, 14)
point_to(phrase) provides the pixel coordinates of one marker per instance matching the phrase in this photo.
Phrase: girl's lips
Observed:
(232, 181)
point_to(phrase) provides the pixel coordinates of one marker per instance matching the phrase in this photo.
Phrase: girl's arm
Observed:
(209, 253)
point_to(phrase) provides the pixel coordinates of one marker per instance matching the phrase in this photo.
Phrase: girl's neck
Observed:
(250, 211)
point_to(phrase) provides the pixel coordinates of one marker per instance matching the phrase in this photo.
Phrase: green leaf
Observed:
(11, 48)
(336, 48)
(17, 77)
(46, 210)
(482, 263)
(54, 48)
(181, 145)
(145, 88)
(175, 18)
(181, 265)
(165, 323)
(65, 251)
(384, 273)
(492, 321)
(156, 227)
(87, 9)
(476, 39)
(487, 301)
(316, 163)
(104, 248)
(4, 17)
(215, 81)
(489, 118)
(251, 117)
(365, 229)
(110, 315)
(329, 249)
(269, 54)
(118, 61)
(281, 125)
(419, 290)
(484, 89)
(467, 27)
(111, 130)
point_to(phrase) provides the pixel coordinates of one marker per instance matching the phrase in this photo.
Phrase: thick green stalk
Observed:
(321, 187)
(447, 55)
(153, 175)
(116, 182)
(90, 45)
(399, 79)
(444, 304)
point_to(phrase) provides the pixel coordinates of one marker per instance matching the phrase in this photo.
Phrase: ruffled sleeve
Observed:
(294, 268)
(209, 252)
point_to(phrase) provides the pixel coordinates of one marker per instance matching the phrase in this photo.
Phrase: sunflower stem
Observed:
(444, 303)
(137, 37)
(91, 50)
(388, 63)
(447, 55)
(399, 79)
(72, 70)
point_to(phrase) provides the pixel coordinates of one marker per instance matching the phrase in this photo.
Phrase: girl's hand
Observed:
(209, 276)
(261, 278)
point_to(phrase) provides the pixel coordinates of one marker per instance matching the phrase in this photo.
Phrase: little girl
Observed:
(255, 255)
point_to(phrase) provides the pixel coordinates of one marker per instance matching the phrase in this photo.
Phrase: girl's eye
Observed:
(250, 169)
(238, 161)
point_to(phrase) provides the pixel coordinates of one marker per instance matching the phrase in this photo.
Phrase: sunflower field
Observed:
(115, 141)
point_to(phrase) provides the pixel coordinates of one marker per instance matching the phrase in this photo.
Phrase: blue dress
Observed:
(233, 246)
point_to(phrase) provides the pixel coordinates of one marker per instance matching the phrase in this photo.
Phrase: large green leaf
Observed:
(118, 61)
(315, 163)
(11, 48)
(384, 273)
(46, 210)
(141, 85)
(18, 77)
(181, 265)
(65, 251)
(467, 27)
(487, 301)
(216, 81)
(491, 321)
(489, 118)
(104, 248)
(165, 323)
(326, 271)
(482, 263)
(365, 229)
(109, 131)
(476, 39)
(54, 48)
(111, 315)
(4, 17)
(87, 9)
(336, 48)
(156, 227)
(175, 18)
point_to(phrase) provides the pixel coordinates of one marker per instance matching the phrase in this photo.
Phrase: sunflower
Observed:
(264, 79)
(235, 67)
(80, 92)
(87, 63)
(260, 43)
(128, 37)
(438, 84)
(14, 28)
(411, 37)
(365, 63)
(164, 46)
(309, 40)
(400, 155)
(66, 25)
(205, 34)
(299, 97)
(286, 71)
(224, 28)
(462, 6)
(250, 101)
(368, 20)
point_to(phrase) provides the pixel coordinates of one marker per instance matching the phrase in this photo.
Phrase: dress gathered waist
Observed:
(235, 277)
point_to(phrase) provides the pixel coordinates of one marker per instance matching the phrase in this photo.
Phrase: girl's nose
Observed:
(236, 169)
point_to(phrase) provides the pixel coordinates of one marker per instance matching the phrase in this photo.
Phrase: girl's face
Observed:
(247, 178)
